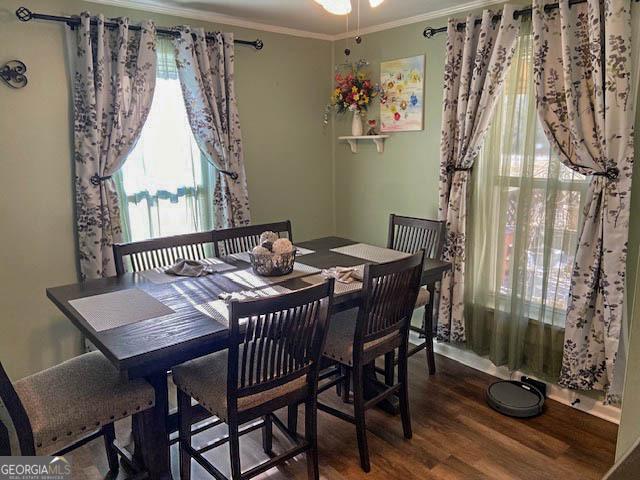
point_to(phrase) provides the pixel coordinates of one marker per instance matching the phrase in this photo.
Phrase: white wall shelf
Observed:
(377, 139)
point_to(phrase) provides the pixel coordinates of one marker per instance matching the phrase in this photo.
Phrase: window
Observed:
(526, 209)
(166, 186)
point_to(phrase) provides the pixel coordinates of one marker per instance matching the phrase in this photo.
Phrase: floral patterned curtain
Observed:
(206, 71)
(477, 60)
(582, 74)
(113, 82)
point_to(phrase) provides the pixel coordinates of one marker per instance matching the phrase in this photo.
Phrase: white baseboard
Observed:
(554, 391)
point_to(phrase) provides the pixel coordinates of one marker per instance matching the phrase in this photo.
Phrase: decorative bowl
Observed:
(273, 264)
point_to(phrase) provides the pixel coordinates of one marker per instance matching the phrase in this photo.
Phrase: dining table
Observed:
(190, 327)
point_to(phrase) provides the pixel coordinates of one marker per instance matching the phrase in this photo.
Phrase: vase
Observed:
(356, 125)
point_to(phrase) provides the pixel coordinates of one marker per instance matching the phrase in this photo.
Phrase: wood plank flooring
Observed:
(456, 436)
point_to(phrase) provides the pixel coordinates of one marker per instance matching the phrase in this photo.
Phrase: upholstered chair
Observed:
(64, 407)
(410, 235)
(272, 362)
(379, 326)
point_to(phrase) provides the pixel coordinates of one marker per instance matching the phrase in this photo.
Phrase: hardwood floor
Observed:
(455, 436)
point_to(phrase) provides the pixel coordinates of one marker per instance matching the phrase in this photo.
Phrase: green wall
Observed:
(282, 91)
(404, 179)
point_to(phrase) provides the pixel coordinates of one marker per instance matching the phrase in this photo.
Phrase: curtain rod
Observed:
(430, 32)
(24, 15)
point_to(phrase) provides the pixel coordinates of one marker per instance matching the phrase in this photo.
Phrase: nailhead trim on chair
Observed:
(97, 424)
(208, 407)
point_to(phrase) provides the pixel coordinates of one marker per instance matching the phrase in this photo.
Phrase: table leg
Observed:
(152, 432)
(428, 328)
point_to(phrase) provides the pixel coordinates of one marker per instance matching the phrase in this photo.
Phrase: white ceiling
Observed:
(301, 17)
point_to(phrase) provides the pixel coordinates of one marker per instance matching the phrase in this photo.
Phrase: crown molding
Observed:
(185, 12)
(423, 17)
(192, 13)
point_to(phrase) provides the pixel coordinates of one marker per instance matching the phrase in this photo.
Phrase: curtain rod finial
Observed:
(259, 45)
(24, 14)
(429, 32)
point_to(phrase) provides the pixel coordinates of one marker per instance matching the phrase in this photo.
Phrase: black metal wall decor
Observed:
(13, 74)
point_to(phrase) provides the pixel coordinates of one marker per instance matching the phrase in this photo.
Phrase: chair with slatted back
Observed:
(273, 358)
(162, 252)
(66, 406)
(410, 235)
(380, 326)
(242, 239)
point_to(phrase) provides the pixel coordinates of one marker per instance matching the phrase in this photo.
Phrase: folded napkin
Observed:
(253, 294)
(343, 274)
(189, 268)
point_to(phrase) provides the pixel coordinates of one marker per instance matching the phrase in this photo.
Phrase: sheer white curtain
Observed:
(166, 186)
(526, 210)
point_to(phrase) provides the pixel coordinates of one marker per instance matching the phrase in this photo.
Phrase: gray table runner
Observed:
(249, 279)
(158, 275)
(244, 256)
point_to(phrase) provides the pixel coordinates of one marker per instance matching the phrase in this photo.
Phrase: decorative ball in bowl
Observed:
(273, 257)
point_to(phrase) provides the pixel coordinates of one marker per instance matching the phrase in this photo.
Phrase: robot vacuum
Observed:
(515, 399)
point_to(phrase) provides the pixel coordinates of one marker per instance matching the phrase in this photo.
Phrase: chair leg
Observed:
(109, 435)
(403, 394)
(339, 385)
(311, 436)
(267, 435)
(234, 450)
(184, 434)
(359, 411)
(292, 418)
(5, 442)
(428, 328)
(346, 386)
(389, 368)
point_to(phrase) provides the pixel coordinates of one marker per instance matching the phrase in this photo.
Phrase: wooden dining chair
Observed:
(410, 235)
(380, 326)
(242, 239)
(64, 407)
(162, 252)
(275, 346)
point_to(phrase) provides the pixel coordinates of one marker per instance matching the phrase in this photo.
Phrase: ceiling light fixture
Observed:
(342, 7)
(337, 7)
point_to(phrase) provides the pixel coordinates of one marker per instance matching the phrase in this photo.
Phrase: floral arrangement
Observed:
(353, 92)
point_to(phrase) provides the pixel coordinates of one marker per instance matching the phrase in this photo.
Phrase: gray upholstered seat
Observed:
(339, 343)
(423, 298)
(205, 379)
(77, 397)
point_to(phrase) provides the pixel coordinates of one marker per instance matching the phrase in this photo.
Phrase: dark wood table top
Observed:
(157, 344)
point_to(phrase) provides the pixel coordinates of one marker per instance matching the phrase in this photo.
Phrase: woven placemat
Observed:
(218, 309)
(371, 253)
(339, 287)
(303, 251)
(115, 309)
(158, 276)
(248, 278)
